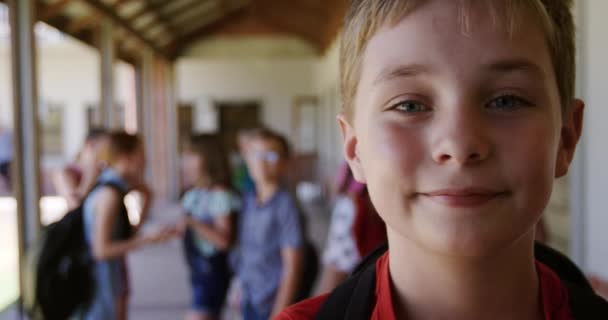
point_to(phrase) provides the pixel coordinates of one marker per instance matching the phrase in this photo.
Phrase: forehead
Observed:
(434, 37)
(263, 143)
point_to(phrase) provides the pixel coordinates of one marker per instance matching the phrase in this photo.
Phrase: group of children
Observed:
(256, 234)
(262, 229)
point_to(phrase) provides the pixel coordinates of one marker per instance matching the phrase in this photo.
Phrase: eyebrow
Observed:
(515, 65)
(499, 66)
(401, 71)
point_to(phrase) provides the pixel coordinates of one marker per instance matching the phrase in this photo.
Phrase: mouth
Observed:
(465, 197)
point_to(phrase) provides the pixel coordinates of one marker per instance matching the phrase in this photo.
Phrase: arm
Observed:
(106, 207)
(220, 233)
(147, 198)
(288, 288)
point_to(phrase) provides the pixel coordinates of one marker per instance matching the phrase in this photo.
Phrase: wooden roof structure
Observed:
(169, 27)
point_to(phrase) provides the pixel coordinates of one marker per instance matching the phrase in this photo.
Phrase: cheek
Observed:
(391, 157)
(390, 146)
(528, 161)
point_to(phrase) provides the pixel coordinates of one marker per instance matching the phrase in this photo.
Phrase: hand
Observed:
(161, 235)
(182, 224)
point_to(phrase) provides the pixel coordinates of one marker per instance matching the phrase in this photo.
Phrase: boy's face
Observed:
(459, 136)
(264, 161)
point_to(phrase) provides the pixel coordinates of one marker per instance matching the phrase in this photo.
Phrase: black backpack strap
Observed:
(125, 229)
(119, 188)
(561, 265)
(355, 298)
(585, 304)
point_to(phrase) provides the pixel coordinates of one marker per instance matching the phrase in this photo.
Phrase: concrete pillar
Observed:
(145, 108)
(107, 108)
(172, 132)
(26, 162)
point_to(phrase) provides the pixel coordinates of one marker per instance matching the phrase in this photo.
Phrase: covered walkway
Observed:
(151, 42)
(169, 69)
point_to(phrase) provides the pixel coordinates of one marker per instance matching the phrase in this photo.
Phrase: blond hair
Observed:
(365, 17)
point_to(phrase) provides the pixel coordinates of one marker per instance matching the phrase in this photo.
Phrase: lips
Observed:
(464, 197)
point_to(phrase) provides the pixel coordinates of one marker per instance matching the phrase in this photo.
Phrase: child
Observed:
(355, 231)
(210, 206)
(270, 241)
(108, 230)
(75, 180)
(458, 115)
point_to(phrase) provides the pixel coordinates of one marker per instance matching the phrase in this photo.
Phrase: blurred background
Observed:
(171, 69)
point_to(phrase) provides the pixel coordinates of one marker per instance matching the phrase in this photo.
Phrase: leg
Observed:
(121, 307)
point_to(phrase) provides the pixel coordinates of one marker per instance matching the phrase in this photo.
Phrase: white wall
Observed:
(68, 75)
(273, 82)
(327, 85)
(593, 76)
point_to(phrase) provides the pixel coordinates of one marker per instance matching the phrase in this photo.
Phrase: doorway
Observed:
(235, 116)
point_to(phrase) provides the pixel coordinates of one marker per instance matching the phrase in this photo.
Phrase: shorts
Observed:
(209, 278)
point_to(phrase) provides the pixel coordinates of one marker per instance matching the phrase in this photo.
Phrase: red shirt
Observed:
(554, 297)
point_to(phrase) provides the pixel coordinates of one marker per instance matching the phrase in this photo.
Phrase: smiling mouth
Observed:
(464, 198)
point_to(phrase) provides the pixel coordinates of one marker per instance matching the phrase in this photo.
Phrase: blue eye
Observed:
(410, 106)
(508, 102)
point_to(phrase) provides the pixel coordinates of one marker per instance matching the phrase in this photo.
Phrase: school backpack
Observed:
(355, 298)
(59, 267)
(310, 271)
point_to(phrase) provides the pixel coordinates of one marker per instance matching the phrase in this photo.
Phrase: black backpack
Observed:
(59, 275)
(355, 298)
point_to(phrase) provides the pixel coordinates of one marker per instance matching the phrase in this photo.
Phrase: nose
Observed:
(461, 140)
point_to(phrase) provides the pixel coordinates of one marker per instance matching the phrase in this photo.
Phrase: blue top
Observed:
(205, 206)
(265, 229)
(110, 275)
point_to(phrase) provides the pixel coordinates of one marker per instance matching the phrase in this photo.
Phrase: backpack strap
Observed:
(119, 188)
(585, 304)
(561, 265)
(355, 298)
(125, 229)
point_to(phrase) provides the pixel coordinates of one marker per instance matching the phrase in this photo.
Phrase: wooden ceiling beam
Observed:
(76, 25)
(310, 13)
(90, 20)
(304, 32)
(176, 47)
(161, 17)
(53, 9)
(185, 6)
(335, 22)
(110, 13)
(179, 24)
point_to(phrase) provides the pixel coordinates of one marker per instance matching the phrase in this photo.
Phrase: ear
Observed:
(349, 148)
(570, 134)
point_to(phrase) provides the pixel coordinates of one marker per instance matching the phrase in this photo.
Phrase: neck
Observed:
(265, 191)
(122, 172)
(204, 183)
(436, 286)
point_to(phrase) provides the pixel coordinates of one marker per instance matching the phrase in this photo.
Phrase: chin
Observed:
(468, 242)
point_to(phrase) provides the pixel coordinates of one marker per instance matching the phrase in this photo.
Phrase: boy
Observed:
(458, 116)
(270, 233)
